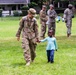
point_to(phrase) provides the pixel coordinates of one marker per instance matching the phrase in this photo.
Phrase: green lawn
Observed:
(11, 54)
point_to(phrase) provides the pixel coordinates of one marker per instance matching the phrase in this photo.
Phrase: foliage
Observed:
(0, 12)
(57, 0)
(24, 10)
(32, 4)
(16, 13)
(73, 2)
(39, 2)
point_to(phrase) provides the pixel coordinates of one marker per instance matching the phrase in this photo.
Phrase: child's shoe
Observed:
(52, 61)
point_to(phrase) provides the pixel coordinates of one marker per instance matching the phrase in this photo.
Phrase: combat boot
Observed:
(28, 63)
(68, 35)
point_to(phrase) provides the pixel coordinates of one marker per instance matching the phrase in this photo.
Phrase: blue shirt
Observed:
(51, 43)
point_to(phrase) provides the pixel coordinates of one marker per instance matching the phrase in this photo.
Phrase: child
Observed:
(51, 46)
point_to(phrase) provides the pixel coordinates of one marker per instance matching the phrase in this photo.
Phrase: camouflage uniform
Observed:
(51, 19)
(68, 13)
(29, 30)
(43, 19)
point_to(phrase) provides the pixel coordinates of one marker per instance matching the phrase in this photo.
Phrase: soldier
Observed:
(51, 19)
(68, 14)
(29, 28)
(43, 19)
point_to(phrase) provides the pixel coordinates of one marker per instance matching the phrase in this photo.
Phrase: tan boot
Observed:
(28, 63)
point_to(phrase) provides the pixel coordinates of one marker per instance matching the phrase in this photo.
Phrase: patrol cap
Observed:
(44, 6)
(70, 5)
(51, 5)
(32, 11)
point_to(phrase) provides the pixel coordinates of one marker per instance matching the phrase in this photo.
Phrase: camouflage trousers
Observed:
(52, 26)
(43, 29)
(29, 47)
(69, 25)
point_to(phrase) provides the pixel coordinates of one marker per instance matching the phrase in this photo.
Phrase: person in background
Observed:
(51, 46)
(43, 19)
(51, 19)
(68, 15)
(29, 28)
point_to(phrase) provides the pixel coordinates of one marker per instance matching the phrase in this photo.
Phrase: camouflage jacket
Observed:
(68, 13)
(28, 27)
(52, 15)
(43, 16)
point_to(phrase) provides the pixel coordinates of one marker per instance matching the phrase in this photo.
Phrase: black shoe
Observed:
(48, 61)
(52, 61)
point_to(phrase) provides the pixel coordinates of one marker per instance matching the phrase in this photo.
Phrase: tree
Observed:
(50, 1)
(39, 2)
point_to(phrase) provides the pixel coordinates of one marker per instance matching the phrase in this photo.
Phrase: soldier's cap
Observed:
(32, 11)
(70, 5)
(51, 5)
(44, 6)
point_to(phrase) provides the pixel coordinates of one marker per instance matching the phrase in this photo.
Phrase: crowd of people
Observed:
(30, 33)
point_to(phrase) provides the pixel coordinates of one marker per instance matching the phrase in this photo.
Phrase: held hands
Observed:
(37, 40)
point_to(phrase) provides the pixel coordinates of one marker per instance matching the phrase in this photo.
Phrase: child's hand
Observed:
(38, 41)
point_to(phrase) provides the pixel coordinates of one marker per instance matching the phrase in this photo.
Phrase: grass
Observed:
(11, 54)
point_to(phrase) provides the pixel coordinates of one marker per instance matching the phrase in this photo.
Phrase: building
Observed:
(13, 4)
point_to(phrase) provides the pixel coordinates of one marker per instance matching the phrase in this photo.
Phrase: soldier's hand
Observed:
(18, 38)
(65, 21)
(37, 40)
(73, 16)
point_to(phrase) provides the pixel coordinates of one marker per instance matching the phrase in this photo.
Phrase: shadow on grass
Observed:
(18, 64)
(65, 37)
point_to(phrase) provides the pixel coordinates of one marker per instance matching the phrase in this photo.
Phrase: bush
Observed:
(0, 12)
(24, 10)
(32, 4)
(16, 13)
